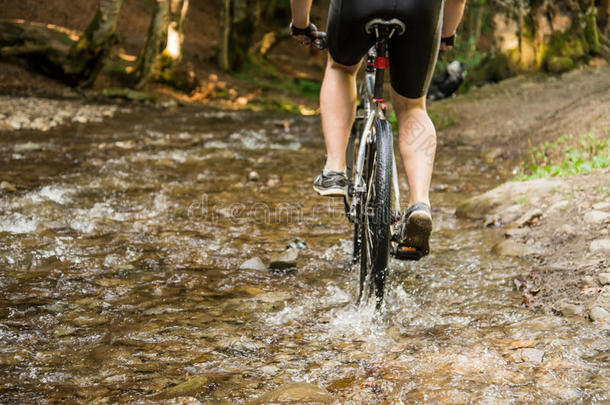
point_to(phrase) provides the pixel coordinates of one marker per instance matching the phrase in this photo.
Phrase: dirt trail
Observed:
(562, 224)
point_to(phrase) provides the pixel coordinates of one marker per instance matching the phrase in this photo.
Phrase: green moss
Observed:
(493, 68)
(591, 34)
(560, 64)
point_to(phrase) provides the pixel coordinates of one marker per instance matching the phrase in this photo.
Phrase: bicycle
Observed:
(373, 201)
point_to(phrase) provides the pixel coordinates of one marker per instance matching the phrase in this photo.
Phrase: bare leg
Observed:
(338, 107)
(417, 142)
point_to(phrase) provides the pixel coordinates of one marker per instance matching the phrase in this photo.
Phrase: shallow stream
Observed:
(120, 280)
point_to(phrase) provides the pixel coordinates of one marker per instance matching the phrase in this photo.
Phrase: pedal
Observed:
(408, 253)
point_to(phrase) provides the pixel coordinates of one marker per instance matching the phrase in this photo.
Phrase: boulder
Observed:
(507, 194)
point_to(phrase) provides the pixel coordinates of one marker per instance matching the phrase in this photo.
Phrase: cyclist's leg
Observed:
(338, 108)
(412, 61)
(347, 44)
(417, 143)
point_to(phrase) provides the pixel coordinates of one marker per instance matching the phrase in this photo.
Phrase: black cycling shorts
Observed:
(412, 55)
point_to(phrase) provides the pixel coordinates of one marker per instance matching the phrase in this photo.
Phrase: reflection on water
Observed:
(120, 278)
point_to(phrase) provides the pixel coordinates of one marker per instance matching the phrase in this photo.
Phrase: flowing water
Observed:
(120, 277)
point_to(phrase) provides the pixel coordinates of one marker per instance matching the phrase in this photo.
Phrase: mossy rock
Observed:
(491, 69)
(560, 64)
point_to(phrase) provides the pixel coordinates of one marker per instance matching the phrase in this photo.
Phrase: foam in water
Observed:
(55, 194)
(17, 223)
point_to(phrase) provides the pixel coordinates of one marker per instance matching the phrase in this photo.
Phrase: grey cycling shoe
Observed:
(331, 183)
(415, 232)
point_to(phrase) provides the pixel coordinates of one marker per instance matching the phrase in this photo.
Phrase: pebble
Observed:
(604, 278)
(600, 245)
(254, 176)
(254, 263)
(596, 217)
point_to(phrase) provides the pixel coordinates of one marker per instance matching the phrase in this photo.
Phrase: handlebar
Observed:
(320, 41)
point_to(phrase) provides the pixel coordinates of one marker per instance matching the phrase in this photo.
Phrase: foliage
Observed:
(566, 156)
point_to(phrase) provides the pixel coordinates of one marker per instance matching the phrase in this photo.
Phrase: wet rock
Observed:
(253, 264)
(509, 193)
(509, 247)
(27, 147)
(599, 314)
(284, 260)
(254, 176)
(602, 206)
(568, 309)
(298, 243)
(296, 392)
(5, 185)
(189, 386)
(529, 218)
(596, 217)
(604, 278)
(526, 355)
(600, 245)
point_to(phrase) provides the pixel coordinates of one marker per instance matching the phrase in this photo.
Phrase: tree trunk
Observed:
(604, 17)
(225, 33)
(157, 34)
(88, 55)
(175, 31)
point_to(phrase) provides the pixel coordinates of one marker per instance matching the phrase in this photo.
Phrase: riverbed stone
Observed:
(600, 245)
(284, 260)
(509, 247)
(604, 278)
(596, 217)
(184, 388)
(507, 194)
(254, 263)
(296, 392)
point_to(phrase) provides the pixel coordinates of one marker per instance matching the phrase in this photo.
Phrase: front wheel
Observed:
(377, 213)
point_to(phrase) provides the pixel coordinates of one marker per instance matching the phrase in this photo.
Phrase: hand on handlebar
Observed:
(309, 36)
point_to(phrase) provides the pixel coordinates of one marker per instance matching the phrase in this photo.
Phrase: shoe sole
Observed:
(331, 192)
(419, 227)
